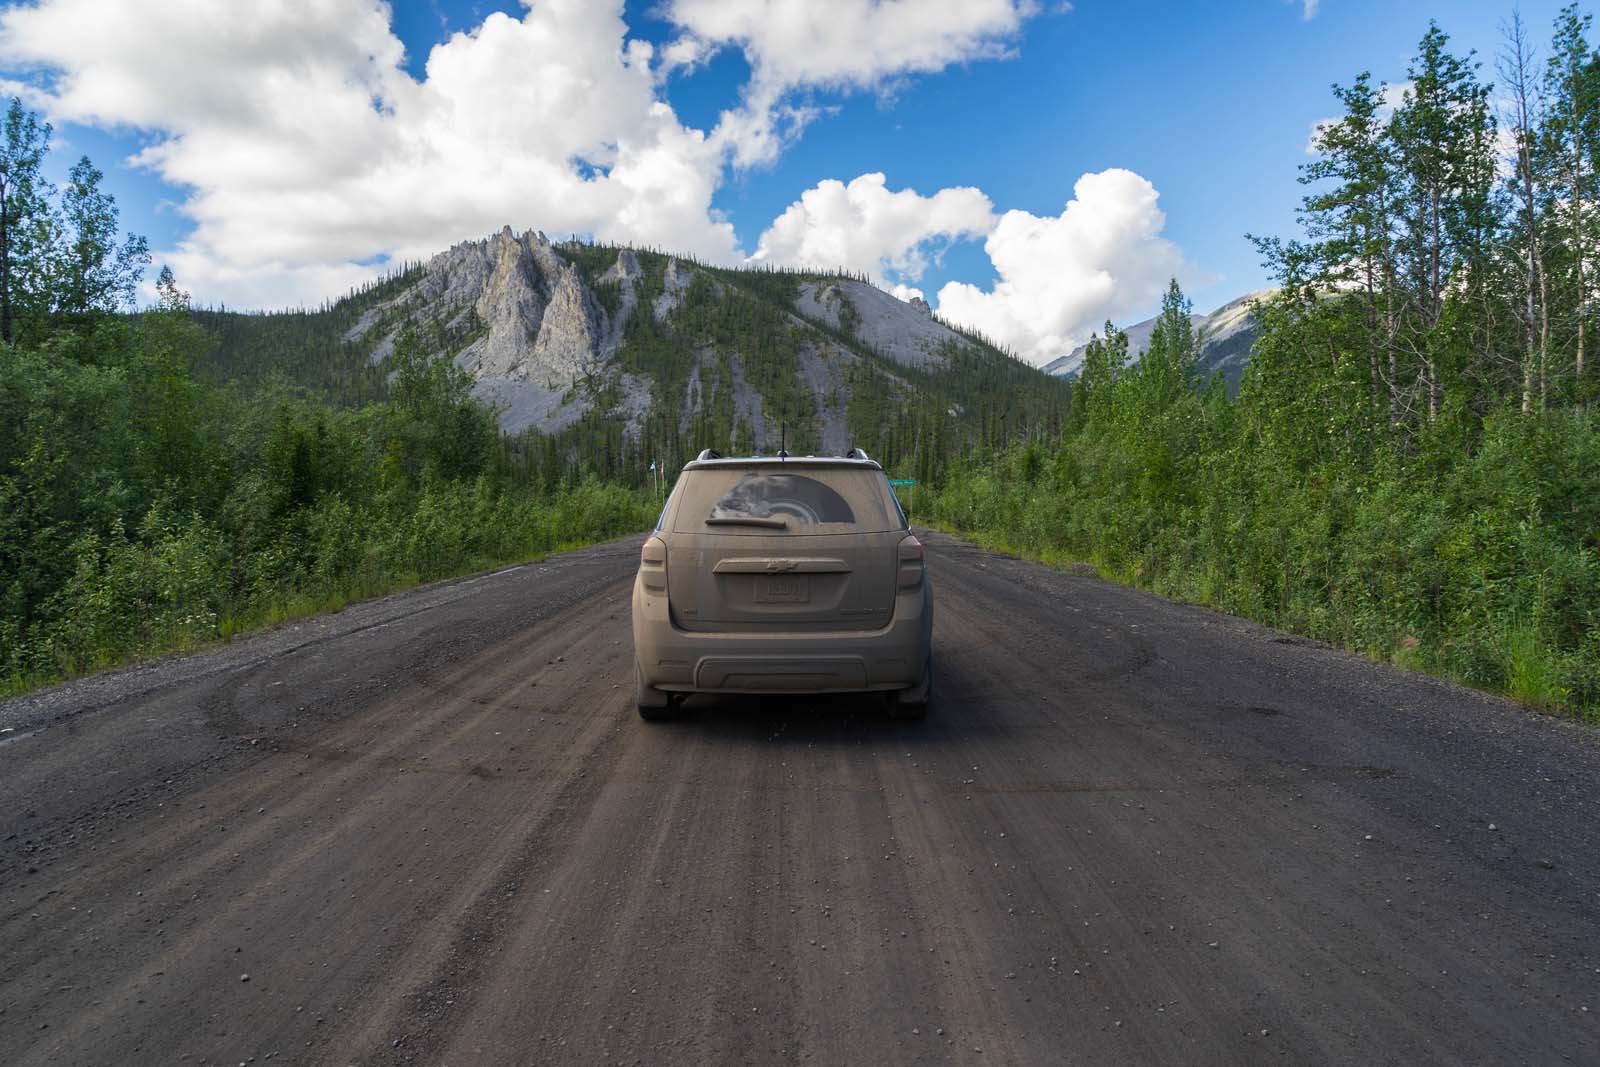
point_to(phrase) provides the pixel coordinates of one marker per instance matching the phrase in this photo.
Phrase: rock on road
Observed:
(430, 829)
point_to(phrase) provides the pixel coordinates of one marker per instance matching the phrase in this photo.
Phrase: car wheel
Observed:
(653, 704)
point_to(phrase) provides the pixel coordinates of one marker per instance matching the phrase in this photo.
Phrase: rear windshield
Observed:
(802, 501)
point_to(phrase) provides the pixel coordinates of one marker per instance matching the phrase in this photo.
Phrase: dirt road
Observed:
(431, 830)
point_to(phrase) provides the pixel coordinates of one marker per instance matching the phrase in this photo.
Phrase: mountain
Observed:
(1226, 338)
(634, 343)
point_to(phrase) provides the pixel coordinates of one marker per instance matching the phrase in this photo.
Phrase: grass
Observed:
(1533, 672)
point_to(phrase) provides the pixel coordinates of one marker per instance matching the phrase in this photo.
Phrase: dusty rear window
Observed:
(767, 501)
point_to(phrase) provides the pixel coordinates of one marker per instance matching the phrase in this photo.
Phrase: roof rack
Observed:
(711, 455)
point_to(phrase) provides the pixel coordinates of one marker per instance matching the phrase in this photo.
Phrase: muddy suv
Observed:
(782, 575)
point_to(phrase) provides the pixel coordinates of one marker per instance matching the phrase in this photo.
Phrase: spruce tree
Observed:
(1168, 365)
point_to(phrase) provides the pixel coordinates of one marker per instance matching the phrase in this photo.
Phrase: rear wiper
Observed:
(749, 520)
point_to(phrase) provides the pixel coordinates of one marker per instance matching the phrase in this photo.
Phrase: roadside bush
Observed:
(141, 511)
(1482, 565)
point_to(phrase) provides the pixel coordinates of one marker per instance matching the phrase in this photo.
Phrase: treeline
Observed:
(147, 504)
(1412, 465)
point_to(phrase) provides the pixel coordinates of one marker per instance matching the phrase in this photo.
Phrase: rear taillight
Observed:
(911, 564)
(653, 563)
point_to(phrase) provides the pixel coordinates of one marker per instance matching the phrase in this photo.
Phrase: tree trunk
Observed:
(1529, 354)
(5, 264)
(1544, 334)
(1435, 304)
(1583, 282)
(1375, 367)
(1579, 192)
(1537, 321)
(1390, 326)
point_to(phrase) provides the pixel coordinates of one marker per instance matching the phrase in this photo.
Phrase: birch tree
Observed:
(1569, 140)
(25, 231)
(1522, 120)
(1443, 134)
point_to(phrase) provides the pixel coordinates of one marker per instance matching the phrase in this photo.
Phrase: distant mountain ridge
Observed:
(555, 334)
(1227, 336)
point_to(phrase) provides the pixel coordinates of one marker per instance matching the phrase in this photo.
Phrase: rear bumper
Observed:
(684, 661)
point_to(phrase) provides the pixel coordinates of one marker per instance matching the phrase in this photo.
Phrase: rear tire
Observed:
(653, 705)
(912, 703)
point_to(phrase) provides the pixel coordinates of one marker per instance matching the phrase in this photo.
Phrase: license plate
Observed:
(782, 591)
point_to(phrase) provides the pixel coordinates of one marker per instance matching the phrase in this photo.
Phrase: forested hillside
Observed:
(1412, 465)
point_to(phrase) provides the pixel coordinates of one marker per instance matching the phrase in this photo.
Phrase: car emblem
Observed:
(779, 566)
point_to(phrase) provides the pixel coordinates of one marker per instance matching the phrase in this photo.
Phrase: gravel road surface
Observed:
(430, 829)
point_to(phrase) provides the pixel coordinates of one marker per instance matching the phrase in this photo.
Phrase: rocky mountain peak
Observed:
(511, 305)
(540, 327)
(570, 330)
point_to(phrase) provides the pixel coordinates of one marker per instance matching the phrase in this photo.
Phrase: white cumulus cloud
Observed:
(843, 44)
(865, 226)
(305, 148)
(1060, 278)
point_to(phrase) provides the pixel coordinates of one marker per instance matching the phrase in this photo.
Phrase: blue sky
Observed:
(1210, 104)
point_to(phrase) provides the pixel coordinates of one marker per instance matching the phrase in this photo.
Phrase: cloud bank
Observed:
(306, 150)
(309, 158)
